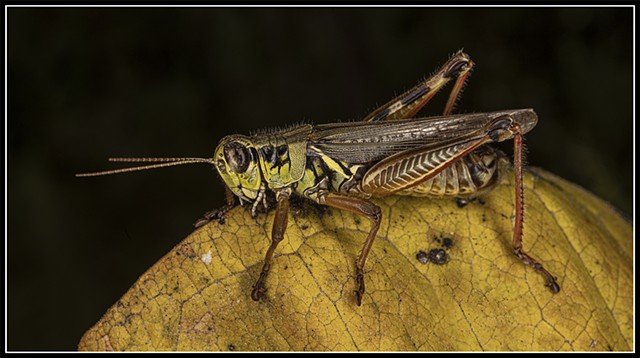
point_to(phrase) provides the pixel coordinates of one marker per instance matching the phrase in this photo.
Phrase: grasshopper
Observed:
(344, 165)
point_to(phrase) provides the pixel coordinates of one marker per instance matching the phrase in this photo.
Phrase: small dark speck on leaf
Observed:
(462, 202)
(436, 256)
(445, 242)
(422, 256)
(232, 347)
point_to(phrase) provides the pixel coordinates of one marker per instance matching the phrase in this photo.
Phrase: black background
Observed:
(85, 84)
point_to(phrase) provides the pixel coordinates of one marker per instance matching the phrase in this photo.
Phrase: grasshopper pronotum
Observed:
(343, 165)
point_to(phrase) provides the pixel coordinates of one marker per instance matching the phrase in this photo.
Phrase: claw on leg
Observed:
(258, 288)
(359, 285)
(218, 214)
(551, 283)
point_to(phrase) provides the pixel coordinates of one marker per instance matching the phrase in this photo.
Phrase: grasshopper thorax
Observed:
(236, 160)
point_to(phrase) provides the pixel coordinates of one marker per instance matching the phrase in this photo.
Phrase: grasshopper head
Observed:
(236, 160)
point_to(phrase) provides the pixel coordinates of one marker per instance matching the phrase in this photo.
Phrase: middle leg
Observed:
(361, 207)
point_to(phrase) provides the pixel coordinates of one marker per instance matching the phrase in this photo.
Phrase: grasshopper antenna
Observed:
(163, 162)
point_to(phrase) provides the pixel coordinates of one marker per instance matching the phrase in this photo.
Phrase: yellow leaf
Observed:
(197, 297)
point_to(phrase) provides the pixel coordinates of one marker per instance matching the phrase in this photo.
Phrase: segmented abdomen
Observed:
(467, 176)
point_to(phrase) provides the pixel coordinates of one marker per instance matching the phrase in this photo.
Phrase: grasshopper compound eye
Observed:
(237, 156)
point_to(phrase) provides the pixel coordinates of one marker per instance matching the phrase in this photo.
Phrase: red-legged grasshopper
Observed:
(343, 165)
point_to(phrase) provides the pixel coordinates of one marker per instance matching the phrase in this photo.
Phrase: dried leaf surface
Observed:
(197, 297)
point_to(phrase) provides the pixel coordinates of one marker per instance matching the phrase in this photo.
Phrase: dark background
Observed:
(85, 84)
